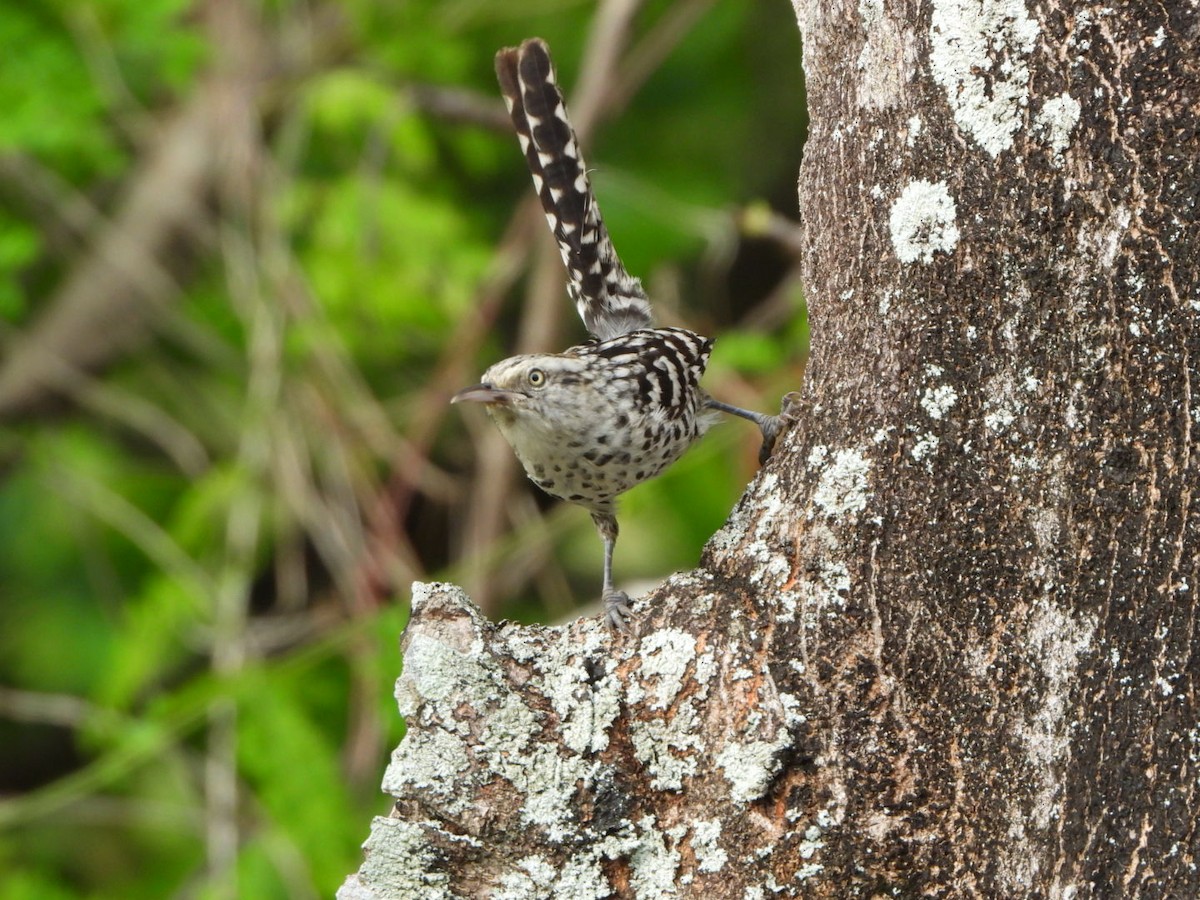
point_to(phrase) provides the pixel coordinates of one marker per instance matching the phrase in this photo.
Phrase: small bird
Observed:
(593, 421)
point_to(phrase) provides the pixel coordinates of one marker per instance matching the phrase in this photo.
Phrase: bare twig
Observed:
(601, 61)
(760, 221)
(106, 301)
(459, 106)
(64, 710)
(64, 215)
(649, 53)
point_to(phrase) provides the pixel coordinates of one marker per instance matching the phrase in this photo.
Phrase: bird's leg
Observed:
(770, 426)
(616, 603)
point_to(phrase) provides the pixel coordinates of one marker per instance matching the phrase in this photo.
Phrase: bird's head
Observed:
(533, 386)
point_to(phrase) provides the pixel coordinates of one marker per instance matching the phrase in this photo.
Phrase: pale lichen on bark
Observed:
(509, 723)
(923, 222)
(842, 485)
(980, 53)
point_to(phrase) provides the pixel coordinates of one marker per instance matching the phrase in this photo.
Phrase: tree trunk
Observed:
(947, 643)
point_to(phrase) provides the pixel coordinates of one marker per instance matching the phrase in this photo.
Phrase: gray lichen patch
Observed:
(938, 398)
(460, 689)
(403, 862)
(665, 655)
(761, 541)
(1057, 642)
(979, 55)
(842, 486)
(887, 56)
(651, 854)
(705, 840)
(534, 879)
(586, 703)
(519, 724)
(750, 767)
(1055, 122)
(923, 220)
(435, 762)
(654, 864)
(668, 747)
(666, 734)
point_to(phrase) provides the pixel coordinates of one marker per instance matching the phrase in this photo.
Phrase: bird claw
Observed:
(616, 610)
(773, 426)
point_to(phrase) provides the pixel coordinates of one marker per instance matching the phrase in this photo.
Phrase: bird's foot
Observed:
(773, 426)
(616, 610)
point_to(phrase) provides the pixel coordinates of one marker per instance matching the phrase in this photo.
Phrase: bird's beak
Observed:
(483, 393)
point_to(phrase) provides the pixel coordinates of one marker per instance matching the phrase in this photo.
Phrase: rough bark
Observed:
(946, 644)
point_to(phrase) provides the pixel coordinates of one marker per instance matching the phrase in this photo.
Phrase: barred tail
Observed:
(610, 301)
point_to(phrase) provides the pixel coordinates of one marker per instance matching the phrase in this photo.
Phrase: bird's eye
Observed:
(537, 378)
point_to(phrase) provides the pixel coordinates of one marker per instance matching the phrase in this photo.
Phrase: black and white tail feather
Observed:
(610, 301)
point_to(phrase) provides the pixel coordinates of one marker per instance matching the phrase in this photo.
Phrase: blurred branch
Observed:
(601, 62)
(644, 59)
(92, 778)
(93, 496)
(460, 106)
(386, 515)
(63, 710)
(147, 738)
(496, 474)
(101, 59)
(239, 70)
(760, 221)
(778, 307)
(64, 215)
(107, 299)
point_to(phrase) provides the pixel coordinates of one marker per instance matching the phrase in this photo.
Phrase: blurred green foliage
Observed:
(184, 605)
